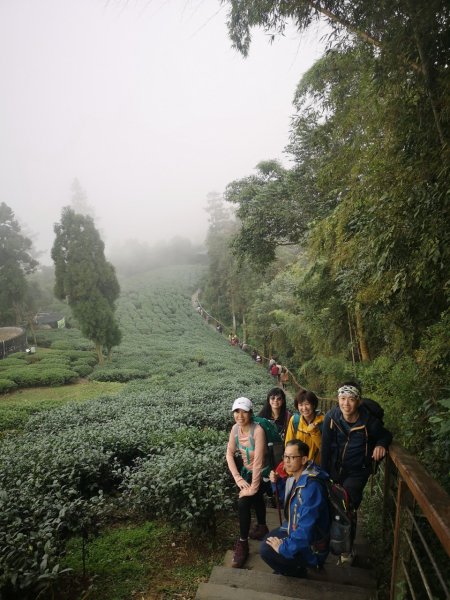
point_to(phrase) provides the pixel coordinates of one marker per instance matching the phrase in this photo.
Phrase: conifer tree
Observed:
(86, 279)
(15, 263)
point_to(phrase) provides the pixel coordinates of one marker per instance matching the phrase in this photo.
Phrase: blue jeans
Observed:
(293, 567)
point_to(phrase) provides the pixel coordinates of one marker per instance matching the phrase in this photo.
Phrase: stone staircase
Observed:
(257, 582)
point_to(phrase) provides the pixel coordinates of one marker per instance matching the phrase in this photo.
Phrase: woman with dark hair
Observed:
(276, 410)
(306, 426)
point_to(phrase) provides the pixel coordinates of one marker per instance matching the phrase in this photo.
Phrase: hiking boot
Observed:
(240, 554)
(258, 532)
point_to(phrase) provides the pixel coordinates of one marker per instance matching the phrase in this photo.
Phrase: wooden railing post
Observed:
(401, 492)
(386, 495)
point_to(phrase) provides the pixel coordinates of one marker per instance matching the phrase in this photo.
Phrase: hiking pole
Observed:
(272, 467)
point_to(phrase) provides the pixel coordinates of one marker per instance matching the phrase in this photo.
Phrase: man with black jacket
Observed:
(352, 438)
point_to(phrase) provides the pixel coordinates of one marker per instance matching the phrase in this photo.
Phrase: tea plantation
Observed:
(157, 449)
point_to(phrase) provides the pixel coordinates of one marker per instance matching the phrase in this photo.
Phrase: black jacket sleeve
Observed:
(378, 434)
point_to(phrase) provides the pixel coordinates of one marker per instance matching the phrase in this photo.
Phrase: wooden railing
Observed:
(416, 521)
(416, 518)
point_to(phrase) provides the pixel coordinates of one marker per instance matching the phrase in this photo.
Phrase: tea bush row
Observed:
(157, 449)
(45, 368)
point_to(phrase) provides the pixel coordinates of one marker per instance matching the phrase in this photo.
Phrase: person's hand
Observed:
(242, 484)
(312, 427)
(274, 543)
(273, 476)
(246, 492)
(378, 453)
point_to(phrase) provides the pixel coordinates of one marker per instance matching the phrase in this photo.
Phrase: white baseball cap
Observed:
(243, 403)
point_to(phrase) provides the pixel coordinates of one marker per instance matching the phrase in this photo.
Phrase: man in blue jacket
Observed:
(303, 540)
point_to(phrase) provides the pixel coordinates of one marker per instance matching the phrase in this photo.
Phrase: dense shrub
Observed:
(11, 362)
(82, 368)
(47, 375)
(169, 431)
(191, 485)
(120, 375)
(6, 385)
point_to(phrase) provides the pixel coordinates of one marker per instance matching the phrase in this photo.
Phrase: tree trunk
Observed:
(244, 330)
(351, 336)
(99, 350)
(428, 71)
(362, 341)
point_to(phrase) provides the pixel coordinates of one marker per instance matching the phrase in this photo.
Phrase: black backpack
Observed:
(342, 518)
(375, 409)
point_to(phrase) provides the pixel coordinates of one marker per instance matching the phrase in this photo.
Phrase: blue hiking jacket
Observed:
(308, 519)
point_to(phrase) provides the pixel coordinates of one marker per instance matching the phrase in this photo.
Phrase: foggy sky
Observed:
(145, 102)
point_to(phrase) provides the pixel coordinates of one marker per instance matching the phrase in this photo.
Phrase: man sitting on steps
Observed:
(303, 541)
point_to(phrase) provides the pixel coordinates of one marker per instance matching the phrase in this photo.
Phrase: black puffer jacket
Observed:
(347, 448)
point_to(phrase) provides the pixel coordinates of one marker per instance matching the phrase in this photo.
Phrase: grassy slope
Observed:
(17, 407)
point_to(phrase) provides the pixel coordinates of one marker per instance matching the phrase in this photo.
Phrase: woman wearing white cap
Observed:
(248, 438)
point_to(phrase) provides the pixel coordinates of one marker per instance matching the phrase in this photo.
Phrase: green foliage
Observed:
(52, 367)
(269, 213)
(114, 374)
(182, 482)
(73, 466)
(6, 385)
(324, 374)
(122, 558)
(11, 361)
(87, 279)
(15, 263)
(63, 339)
(40, 375)
(16, 409)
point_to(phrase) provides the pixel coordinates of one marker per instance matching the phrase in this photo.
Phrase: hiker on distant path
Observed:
(284, 377)
(247, 438)
(275, 372)
(306, 426)
(276, 410)
(303, 540)
(352, 440)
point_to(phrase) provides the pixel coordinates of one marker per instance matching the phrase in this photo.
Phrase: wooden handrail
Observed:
(429, 495)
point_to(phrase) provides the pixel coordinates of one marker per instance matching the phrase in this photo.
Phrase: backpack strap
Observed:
(296, 422)
(251, 438)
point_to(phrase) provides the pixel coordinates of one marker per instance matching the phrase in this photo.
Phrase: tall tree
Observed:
(86, 279)
(79, 200)
(15, 263)
(270, 213)
(411, 37)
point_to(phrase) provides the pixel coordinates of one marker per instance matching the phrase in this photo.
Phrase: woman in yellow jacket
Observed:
(307, 426)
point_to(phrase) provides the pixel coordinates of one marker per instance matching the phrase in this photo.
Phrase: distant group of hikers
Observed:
(340, 447)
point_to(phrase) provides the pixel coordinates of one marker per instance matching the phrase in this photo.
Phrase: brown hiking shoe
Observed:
(240, 554)
(257, 532)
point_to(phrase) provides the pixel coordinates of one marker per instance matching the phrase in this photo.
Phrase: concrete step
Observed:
(259, 581)
(331, 573)
(213, 591)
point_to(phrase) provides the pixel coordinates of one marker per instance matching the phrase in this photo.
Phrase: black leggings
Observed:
(244, 509)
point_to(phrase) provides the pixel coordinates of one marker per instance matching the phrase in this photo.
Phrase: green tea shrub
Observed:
(31, 376)
(82, 368)
(195, 486)
(17, 355)
(11, 362)
(168, 429)
(6, 385)
(120, 375)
